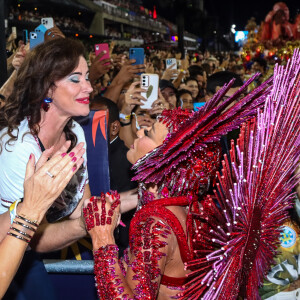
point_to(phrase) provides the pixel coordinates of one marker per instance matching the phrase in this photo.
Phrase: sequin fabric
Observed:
(108, 282)
(149, 242)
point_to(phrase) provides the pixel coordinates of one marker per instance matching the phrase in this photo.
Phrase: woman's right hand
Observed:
(43, 186)
(102, 216)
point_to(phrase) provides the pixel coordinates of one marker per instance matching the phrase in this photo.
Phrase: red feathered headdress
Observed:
(190, 155)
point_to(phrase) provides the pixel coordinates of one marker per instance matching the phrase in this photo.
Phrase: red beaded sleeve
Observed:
(146, 264)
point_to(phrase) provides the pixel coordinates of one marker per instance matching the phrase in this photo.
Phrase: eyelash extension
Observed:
(74, 80)
(146, 132)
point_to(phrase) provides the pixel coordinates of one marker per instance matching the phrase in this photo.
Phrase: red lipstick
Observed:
(85, 100)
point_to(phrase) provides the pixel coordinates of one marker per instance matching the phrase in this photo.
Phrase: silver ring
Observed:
(48, 173)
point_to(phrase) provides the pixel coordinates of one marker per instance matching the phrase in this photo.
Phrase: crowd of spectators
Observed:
(34, 16)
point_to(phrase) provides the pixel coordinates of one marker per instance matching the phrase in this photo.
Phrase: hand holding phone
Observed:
(133, 97)
(171, 63)
(149, 82)
(104, 49)
(171, 67)
(137, 54)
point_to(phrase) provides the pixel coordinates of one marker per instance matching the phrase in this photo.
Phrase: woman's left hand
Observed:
(101, 215)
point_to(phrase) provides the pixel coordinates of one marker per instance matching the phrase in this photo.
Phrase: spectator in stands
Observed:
(239, 70)
(185, 99)
(198, 73)
(191, 85)
(42, 103)
(169, 92)
(259, 65)
(217, 80)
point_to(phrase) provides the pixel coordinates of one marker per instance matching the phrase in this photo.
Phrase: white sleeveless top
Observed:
(13, 161)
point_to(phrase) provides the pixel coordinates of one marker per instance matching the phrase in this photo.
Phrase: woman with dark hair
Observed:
(191, 84)
(51, 87)
(185, 99)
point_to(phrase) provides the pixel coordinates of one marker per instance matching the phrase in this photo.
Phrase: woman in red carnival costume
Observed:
(176, 160)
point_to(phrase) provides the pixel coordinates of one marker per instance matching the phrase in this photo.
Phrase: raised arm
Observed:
(127, 72)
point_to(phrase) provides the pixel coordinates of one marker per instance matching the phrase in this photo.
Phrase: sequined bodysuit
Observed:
(141, 273)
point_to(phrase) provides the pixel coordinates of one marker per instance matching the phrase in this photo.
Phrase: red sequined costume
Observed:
(241, 223)
(183, 168)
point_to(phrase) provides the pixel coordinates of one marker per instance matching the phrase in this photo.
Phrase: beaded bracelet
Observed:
(18, 237)
(22, 235)
(24, 225)
(21, 232)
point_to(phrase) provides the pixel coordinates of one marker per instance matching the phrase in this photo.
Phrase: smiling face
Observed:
(148, 139)
(71, 94)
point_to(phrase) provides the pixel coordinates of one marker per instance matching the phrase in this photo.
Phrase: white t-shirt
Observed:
(13, 161)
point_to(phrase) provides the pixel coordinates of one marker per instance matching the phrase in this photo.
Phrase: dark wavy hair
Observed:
(42, 67)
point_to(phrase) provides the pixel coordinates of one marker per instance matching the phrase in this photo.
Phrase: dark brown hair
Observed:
(42, 67)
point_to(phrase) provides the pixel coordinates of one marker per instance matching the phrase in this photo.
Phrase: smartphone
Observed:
(197, 105)
(47, 22)
(137, 54)
(14, 30)
(41, 28)
(25, 36)
(150, 83)
(100, 48)
(171, 62)
(35, 38)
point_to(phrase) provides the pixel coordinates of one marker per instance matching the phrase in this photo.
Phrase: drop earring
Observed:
(46, 103)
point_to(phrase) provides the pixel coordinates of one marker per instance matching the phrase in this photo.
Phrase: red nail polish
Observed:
(74, 169)
(30, 156)
(71, 154)
(74, 159)
(63, 154)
